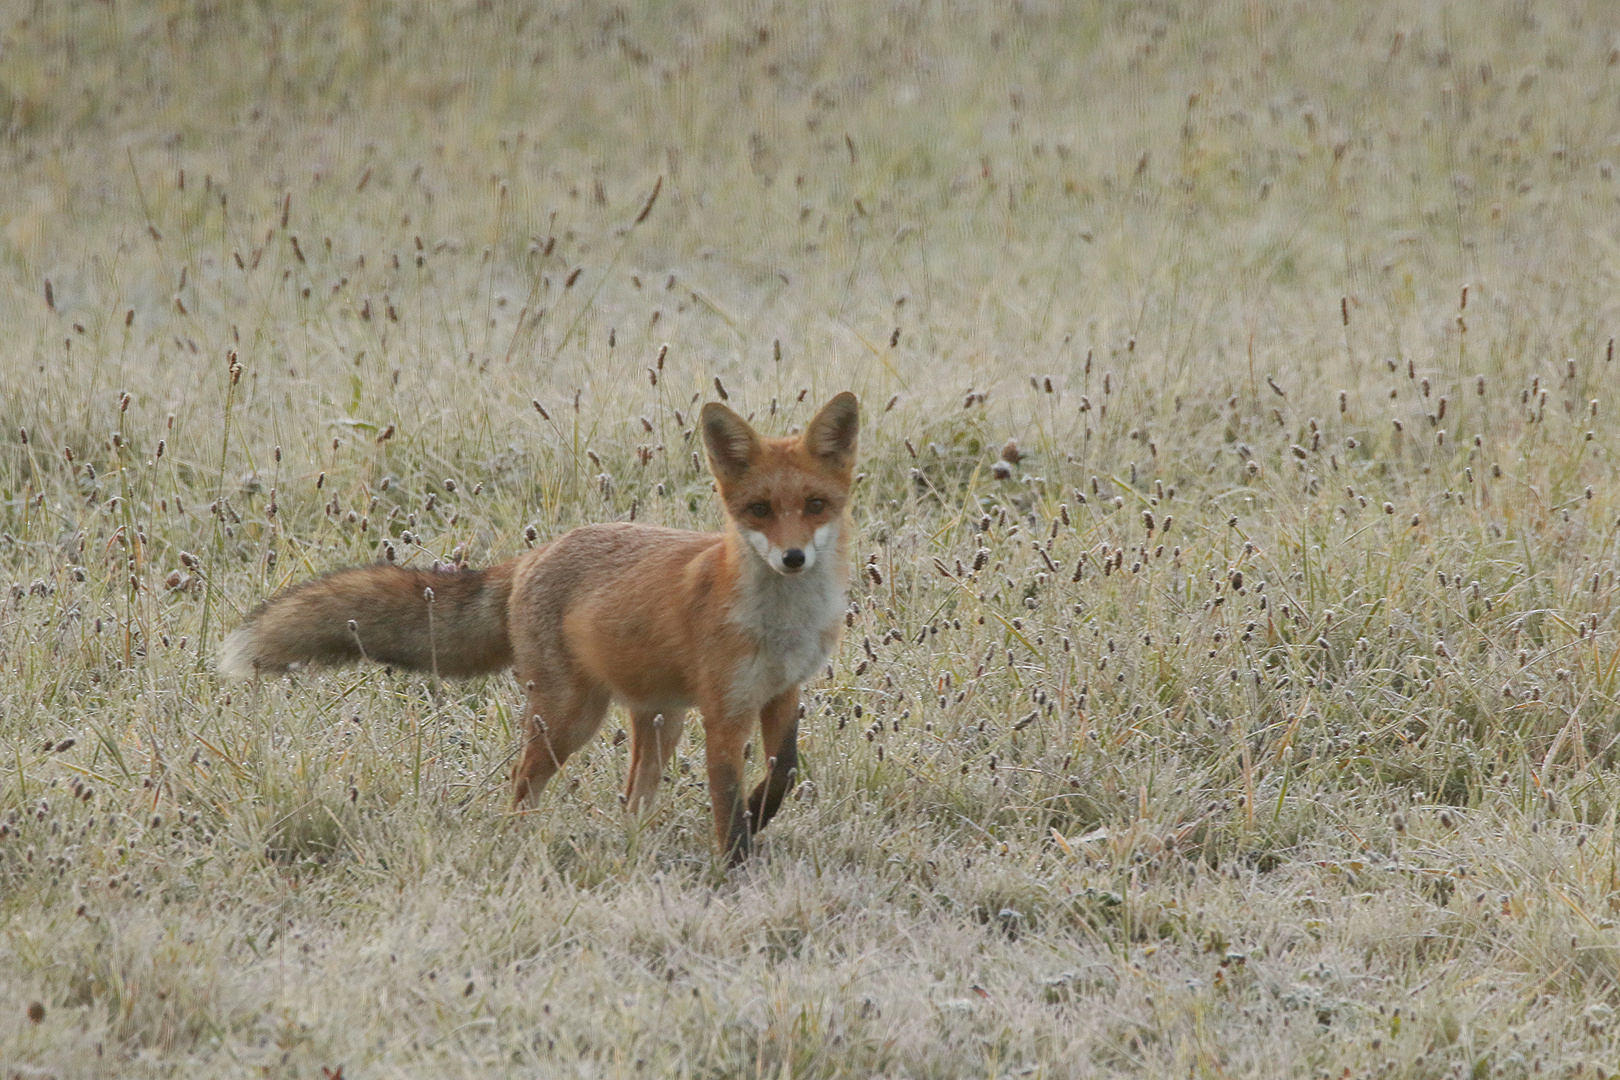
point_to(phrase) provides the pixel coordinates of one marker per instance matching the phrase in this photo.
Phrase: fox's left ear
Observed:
(831, 435)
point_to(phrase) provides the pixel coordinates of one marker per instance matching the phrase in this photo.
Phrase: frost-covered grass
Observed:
(1231, 679)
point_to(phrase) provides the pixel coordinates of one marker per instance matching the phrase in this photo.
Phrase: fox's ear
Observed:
(731, 443)
(831, 435)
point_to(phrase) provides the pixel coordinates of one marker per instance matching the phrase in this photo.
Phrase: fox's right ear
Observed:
(731, 443)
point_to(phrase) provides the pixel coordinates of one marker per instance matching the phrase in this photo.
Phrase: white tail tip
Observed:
(235, 658)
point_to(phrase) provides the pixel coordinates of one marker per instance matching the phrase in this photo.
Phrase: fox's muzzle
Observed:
(782, 560)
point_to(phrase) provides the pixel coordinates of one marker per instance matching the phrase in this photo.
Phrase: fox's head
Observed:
(787, 497)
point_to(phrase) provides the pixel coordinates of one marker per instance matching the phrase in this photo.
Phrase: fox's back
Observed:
(620, 602)
(618, 559)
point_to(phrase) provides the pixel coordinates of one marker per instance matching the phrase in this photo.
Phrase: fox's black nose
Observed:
(793, 558)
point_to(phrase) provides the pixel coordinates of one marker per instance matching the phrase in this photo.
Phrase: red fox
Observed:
(659, 619)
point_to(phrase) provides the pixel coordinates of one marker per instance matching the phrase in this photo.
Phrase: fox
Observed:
(660, 620)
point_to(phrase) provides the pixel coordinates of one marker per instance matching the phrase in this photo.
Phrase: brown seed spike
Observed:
(658, 185)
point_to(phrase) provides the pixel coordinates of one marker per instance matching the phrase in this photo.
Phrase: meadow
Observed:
(1229, 685)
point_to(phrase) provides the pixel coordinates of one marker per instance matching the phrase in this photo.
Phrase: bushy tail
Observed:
(380, 613)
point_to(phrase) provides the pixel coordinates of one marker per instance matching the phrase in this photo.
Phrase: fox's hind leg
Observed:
(561, 719)
(653, 738)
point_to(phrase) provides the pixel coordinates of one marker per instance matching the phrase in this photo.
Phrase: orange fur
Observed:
(658, 619)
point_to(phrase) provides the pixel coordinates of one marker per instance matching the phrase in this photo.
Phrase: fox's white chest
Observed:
(794, 621)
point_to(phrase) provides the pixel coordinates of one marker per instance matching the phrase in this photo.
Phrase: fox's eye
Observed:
(815, 506)
(759, 509)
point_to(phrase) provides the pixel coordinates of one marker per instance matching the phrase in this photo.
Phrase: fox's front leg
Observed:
(725, 735)
(779, 731)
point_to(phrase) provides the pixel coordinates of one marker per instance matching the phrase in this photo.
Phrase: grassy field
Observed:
(1231, 679)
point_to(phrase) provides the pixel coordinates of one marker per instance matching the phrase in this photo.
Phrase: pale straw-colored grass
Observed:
(1251, 714)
